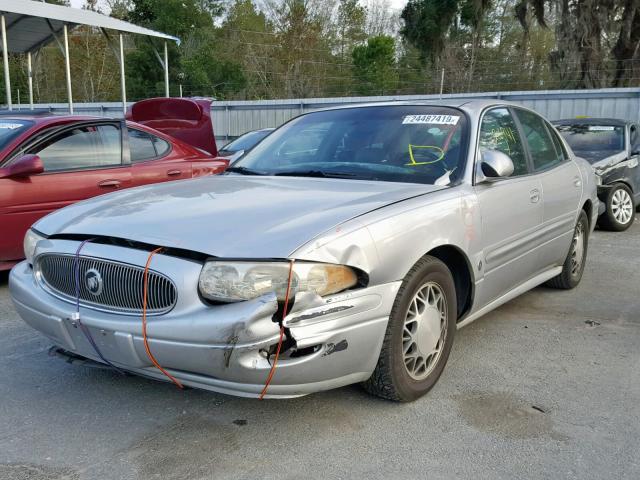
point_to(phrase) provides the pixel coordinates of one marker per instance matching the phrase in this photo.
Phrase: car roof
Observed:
(592, 121)
(469, 105)
(44, 117)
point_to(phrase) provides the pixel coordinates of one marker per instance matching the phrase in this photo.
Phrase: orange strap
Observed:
(284, 314)
(144, 322)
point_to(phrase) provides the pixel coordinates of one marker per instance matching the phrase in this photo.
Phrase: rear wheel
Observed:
(620, 210)
(419, 335)
(573, 266)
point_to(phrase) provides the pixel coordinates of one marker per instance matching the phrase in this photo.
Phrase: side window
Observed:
(144, 146)
(555, 137)
(541, 146)
(94, 146)
(498, 131)
(161, 146)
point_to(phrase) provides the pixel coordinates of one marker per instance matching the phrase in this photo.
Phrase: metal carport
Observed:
(28, 25)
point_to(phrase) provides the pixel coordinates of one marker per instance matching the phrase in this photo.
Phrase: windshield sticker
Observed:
(10, 126)
(431, 119)
(600, 128)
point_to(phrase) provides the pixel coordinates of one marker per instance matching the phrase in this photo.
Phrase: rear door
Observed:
(511, 210)
(81, 161)
(561, 187)
(153, 160)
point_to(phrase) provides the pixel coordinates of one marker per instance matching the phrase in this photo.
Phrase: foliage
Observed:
(245, 49)
(374, 66)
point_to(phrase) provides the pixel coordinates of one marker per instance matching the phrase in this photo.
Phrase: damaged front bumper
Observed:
(333, 341)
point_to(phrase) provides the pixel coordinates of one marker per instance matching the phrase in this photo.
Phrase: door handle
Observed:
(577, 181)
(534, 195)
(173, 173)
(109, 184)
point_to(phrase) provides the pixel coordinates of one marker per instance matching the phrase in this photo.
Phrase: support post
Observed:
(67, 67)
(166, 70)
(180, 86)
(5, 61)
(441, 83)
(123, 85)
(30, 80)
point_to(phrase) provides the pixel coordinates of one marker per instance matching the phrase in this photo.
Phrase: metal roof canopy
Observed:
(29, 25)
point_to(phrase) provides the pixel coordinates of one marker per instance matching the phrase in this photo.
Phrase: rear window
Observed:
(594, 142)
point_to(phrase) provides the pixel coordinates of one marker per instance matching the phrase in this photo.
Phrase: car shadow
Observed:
(4, 278)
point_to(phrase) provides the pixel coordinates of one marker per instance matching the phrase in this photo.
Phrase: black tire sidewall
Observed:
(435, 271)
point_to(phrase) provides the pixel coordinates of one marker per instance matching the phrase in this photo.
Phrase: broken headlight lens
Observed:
(29, 244)
(222, 281)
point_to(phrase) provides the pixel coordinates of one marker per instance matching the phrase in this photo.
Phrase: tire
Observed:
(620, 211)
(571, 270)
(401, 376)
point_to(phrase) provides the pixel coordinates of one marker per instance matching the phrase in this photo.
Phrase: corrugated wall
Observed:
(233, 118)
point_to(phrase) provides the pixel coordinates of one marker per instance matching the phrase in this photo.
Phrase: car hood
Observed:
(599, 158)
(229, 215)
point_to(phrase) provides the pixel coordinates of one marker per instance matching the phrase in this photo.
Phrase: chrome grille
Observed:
(120, 284)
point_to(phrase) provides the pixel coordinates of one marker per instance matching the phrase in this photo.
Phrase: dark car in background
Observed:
(49, 161)
(245, 142)
(612, 147)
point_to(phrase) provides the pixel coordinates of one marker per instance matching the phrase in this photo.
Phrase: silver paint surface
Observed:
(514, 234)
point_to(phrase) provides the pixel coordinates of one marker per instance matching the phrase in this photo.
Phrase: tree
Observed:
(351, 22)
(589, 33)
(426, 24)
(374, 66)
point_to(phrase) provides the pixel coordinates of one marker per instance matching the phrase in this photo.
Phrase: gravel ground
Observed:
(548, 386)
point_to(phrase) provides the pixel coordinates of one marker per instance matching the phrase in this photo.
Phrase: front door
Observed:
(80, 162)
(511, 210)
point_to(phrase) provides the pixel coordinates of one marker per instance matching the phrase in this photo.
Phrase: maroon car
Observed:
(48, 161)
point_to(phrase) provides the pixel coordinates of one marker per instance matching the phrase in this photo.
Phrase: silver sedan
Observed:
(347, 247)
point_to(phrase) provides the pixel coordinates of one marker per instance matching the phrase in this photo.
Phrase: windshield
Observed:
(246, 141)
(417, 144)
(593, 142)
(10, 128)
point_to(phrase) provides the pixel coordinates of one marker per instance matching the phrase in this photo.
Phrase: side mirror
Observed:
(495, 164)
(24, 166)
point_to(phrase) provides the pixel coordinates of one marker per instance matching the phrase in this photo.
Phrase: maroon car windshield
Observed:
(10, 128)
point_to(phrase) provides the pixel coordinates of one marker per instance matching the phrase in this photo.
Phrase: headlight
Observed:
(29, 244)
(223, 281)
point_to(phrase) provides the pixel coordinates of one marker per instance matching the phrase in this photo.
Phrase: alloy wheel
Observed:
(622, 206)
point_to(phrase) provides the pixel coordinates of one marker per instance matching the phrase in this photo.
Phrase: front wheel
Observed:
(419, 334)
(573, 266)
(620, 210)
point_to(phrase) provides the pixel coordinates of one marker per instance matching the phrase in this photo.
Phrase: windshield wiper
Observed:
(243, 171)
(314, 173)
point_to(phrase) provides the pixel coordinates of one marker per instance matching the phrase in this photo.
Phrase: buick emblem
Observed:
(93, 281)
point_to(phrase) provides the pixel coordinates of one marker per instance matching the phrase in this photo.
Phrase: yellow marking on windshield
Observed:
(413, 160)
